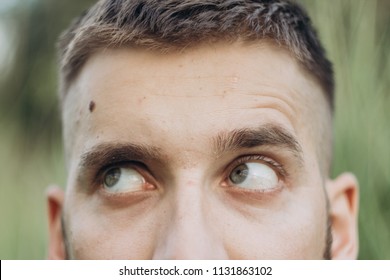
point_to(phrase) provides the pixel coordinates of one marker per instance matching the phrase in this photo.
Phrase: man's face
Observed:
(210, 153)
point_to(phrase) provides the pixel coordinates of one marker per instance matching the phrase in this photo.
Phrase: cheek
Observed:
(289, 229)
(102, 233)
(289, 226)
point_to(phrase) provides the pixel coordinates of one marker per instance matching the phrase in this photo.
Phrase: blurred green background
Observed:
(356, 34)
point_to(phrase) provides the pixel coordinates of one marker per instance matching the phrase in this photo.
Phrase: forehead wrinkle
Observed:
(280, 97)
(285, 100)
(267, 135)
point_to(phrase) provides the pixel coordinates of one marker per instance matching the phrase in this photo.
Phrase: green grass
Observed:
(356, 36)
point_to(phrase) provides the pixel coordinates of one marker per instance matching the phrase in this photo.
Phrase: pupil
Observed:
(112, 177)
(239, 174)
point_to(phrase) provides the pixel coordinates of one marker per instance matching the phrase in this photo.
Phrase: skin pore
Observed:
(211, 153)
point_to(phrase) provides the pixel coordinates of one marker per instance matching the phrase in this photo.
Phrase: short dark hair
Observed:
(167, 25)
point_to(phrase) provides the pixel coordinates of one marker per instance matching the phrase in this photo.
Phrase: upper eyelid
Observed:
(112, 153)
(142, 168)
(104, 155)
(280, 169)
(99, 174)
(239, 160)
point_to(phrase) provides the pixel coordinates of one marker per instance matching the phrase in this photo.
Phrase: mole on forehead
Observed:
(92, 106)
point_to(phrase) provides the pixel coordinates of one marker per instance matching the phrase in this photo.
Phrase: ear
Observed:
(343, 196)
(55, 200)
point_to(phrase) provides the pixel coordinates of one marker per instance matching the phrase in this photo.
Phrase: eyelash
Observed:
(279, 168)
(142, 168)
(99, 175)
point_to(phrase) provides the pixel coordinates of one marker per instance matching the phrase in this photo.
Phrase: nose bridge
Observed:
(190, 234)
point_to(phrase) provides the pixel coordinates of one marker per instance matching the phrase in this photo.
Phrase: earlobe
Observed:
(343, 196)
(55, 200)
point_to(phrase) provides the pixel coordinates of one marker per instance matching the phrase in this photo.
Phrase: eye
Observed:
(123, 179)
(254, 175)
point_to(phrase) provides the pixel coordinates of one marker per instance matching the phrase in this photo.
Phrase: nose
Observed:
(191, 232)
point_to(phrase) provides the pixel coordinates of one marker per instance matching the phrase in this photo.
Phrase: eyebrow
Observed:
(268, 135)
(106, 154)
(111, 153)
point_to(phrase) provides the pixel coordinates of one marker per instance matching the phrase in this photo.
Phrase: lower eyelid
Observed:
(243, 199)
(231, 185)
(126, 199)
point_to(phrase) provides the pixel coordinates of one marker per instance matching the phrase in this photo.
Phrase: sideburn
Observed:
(65, 238)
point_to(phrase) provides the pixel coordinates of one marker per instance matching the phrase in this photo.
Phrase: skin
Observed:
(174, 107)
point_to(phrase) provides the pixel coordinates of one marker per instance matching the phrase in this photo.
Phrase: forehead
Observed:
(180, 100)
